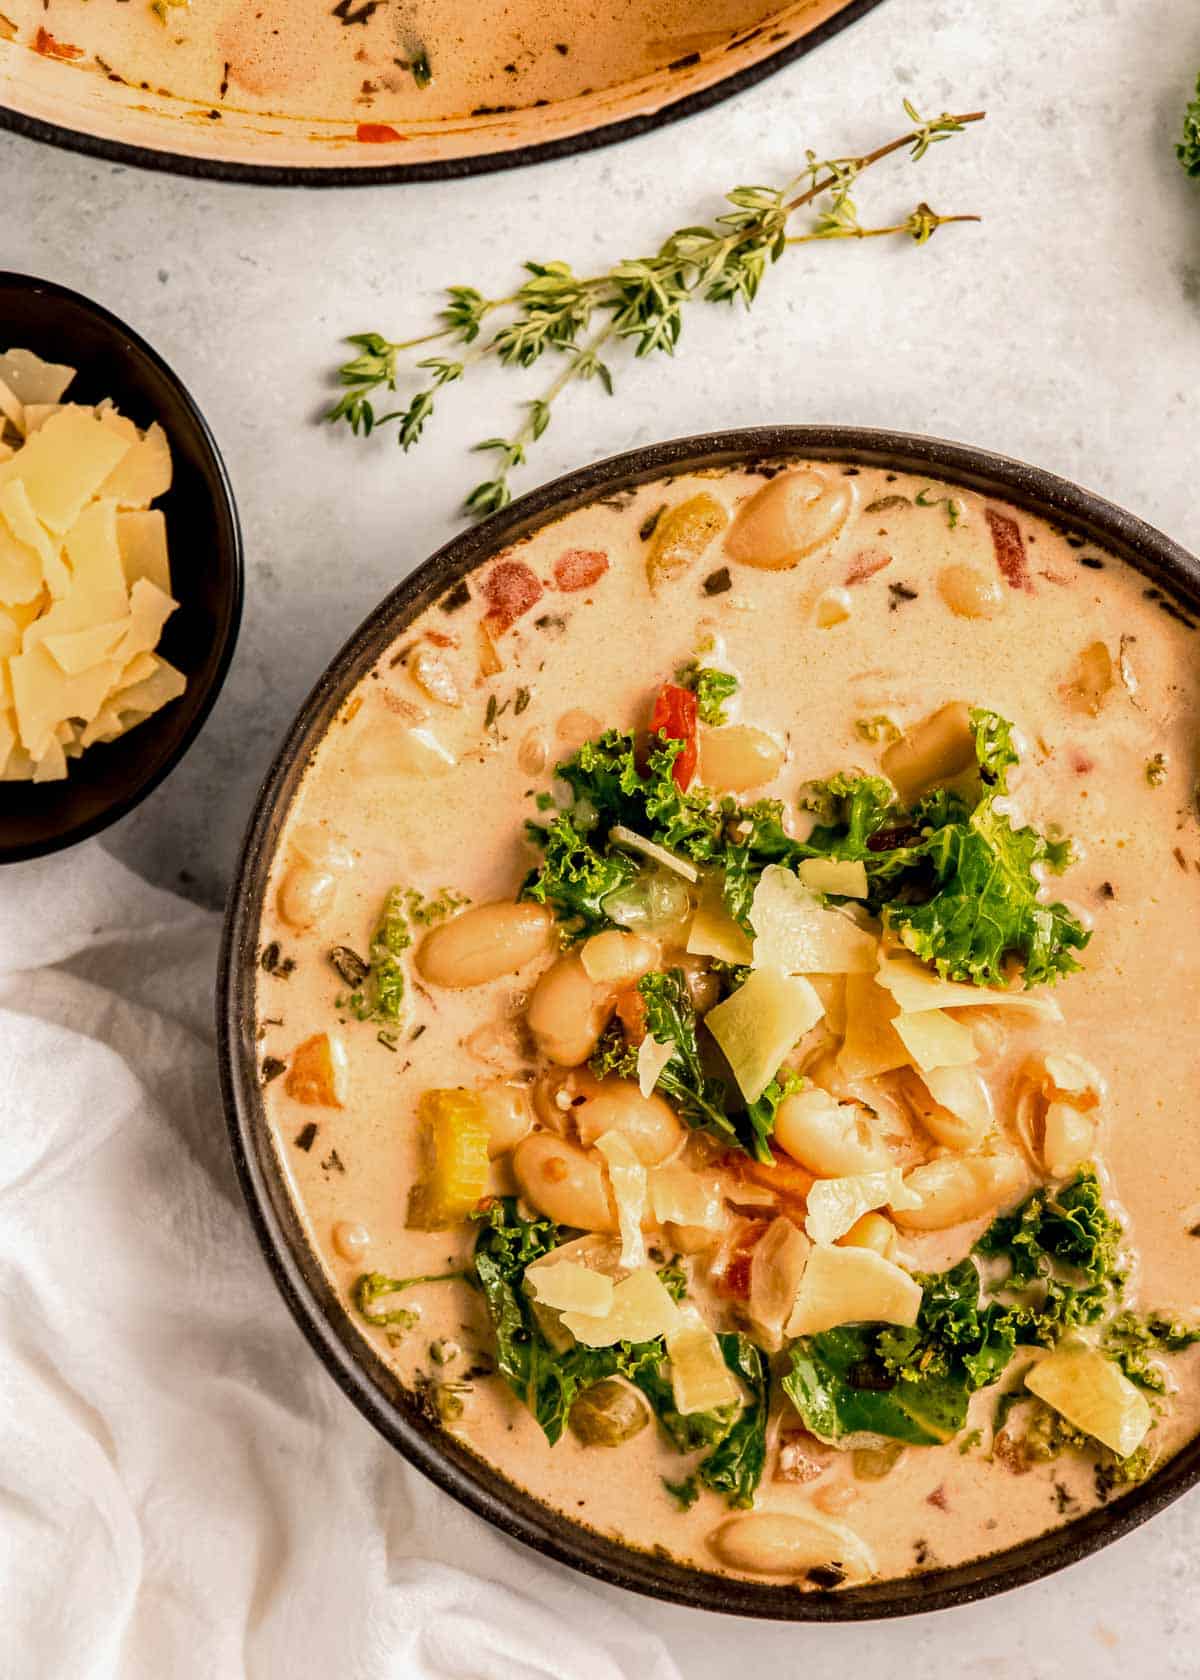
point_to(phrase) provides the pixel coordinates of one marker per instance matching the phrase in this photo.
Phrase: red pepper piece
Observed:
(579, 568)
(509, 589)
(50, 47)
(1010, 550)
(734, 1279)
(376, 134)
(865, 564)
(674, 716)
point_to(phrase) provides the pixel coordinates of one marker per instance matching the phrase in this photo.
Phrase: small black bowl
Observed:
(205, 546)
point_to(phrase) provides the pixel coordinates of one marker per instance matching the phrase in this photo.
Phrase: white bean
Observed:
(485, 943)
(305, 895)
(568, 1012)
(830, 1139)
(960, 1187)
(507, 1115)
(648, 1123)
(564, 1182)
(617, 959)
(791, 1543)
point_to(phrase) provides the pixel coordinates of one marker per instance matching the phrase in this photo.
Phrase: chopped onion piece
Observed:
(917, 988)
(681, 1196)
(846, 877)
(776, 1267)
(758, 1024)
(620, 836)
(934, 1040)
(652, 1058)
(627, 1177)
(641, 1309)
(800, 935)
(1093, 1394)
(852, 1286)
(570, 1286)
(714, 932)
(836, 1204)
(700, 1378)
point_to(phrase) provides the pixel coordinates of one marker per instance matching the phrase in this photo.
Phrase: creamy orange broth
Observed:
(604, 650)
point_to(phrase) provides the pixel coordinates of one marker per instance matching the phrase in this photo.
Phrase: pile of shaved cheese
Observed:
(85, 585)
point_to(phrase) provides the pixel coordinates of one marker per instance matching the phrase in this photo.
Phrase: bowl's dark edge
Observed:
(353, 1364)
(448, 169)
(113, 813)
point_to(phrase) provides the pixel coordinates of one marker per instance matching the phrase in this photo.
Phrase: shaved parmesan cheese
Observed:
(77, 650)
(917, 988)
(145, 470)
(21, 575)
(142, 540)
(845, 877)
(52, 765)
(641, 1309)
(31, 379)
(84, 591)
(149, 610)
(91, 548)
(934, 1040)
(12, 408)
(758, 1024)
(652, 1058)
(871, 1045)
(621, 836)
(852, 1286)
(64, 464)
(798, 934)
(776, 1266)
(700, 1379)
(835, 1204)
(680, 1195)
(165, 683)
(627, 1180)
(714, 932)
(570, 1286)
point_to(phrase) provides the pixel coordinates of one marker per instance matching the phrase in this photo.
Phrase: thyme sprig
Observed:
(640, 300)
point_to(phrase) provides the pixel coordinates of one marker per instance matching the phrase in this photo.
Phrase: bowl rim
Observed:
(358, 1371)
(12, 281)
(445, 169)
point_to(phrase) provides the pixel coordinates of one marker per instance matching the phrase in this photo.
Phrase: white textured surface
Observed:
(1065, 330)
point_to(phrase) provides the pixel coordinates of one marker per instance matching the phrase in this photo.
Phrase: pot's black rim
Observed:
(74, 833)
(324, 1321)
(445, 169)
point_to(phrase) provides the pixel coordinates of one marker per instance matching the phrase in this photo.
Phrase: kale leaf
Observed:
(545, 1379)
(574, 877)
(699, 1097)
(735, 1435)
(711, 687)
(1064, 1252)
(1188, 150)
(1064, 1268)
(1137, 1344)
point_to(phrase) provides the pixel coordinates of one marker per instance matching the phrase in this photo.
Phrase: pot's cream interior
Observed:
(591, 655)
(342, 85)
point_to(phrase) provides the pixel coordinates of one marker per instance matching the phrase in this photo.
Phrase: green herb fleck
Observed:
(951, 504)
(373, 1286)
(879, 730)
(1156, 769)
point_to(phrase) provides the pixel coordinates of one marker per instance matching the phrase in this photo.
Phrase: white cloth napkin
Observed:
(183, 1491)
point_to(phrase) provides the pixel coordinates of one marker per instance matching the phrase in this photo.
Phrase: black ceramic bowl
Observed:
(347, 1355)
(206, 565)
